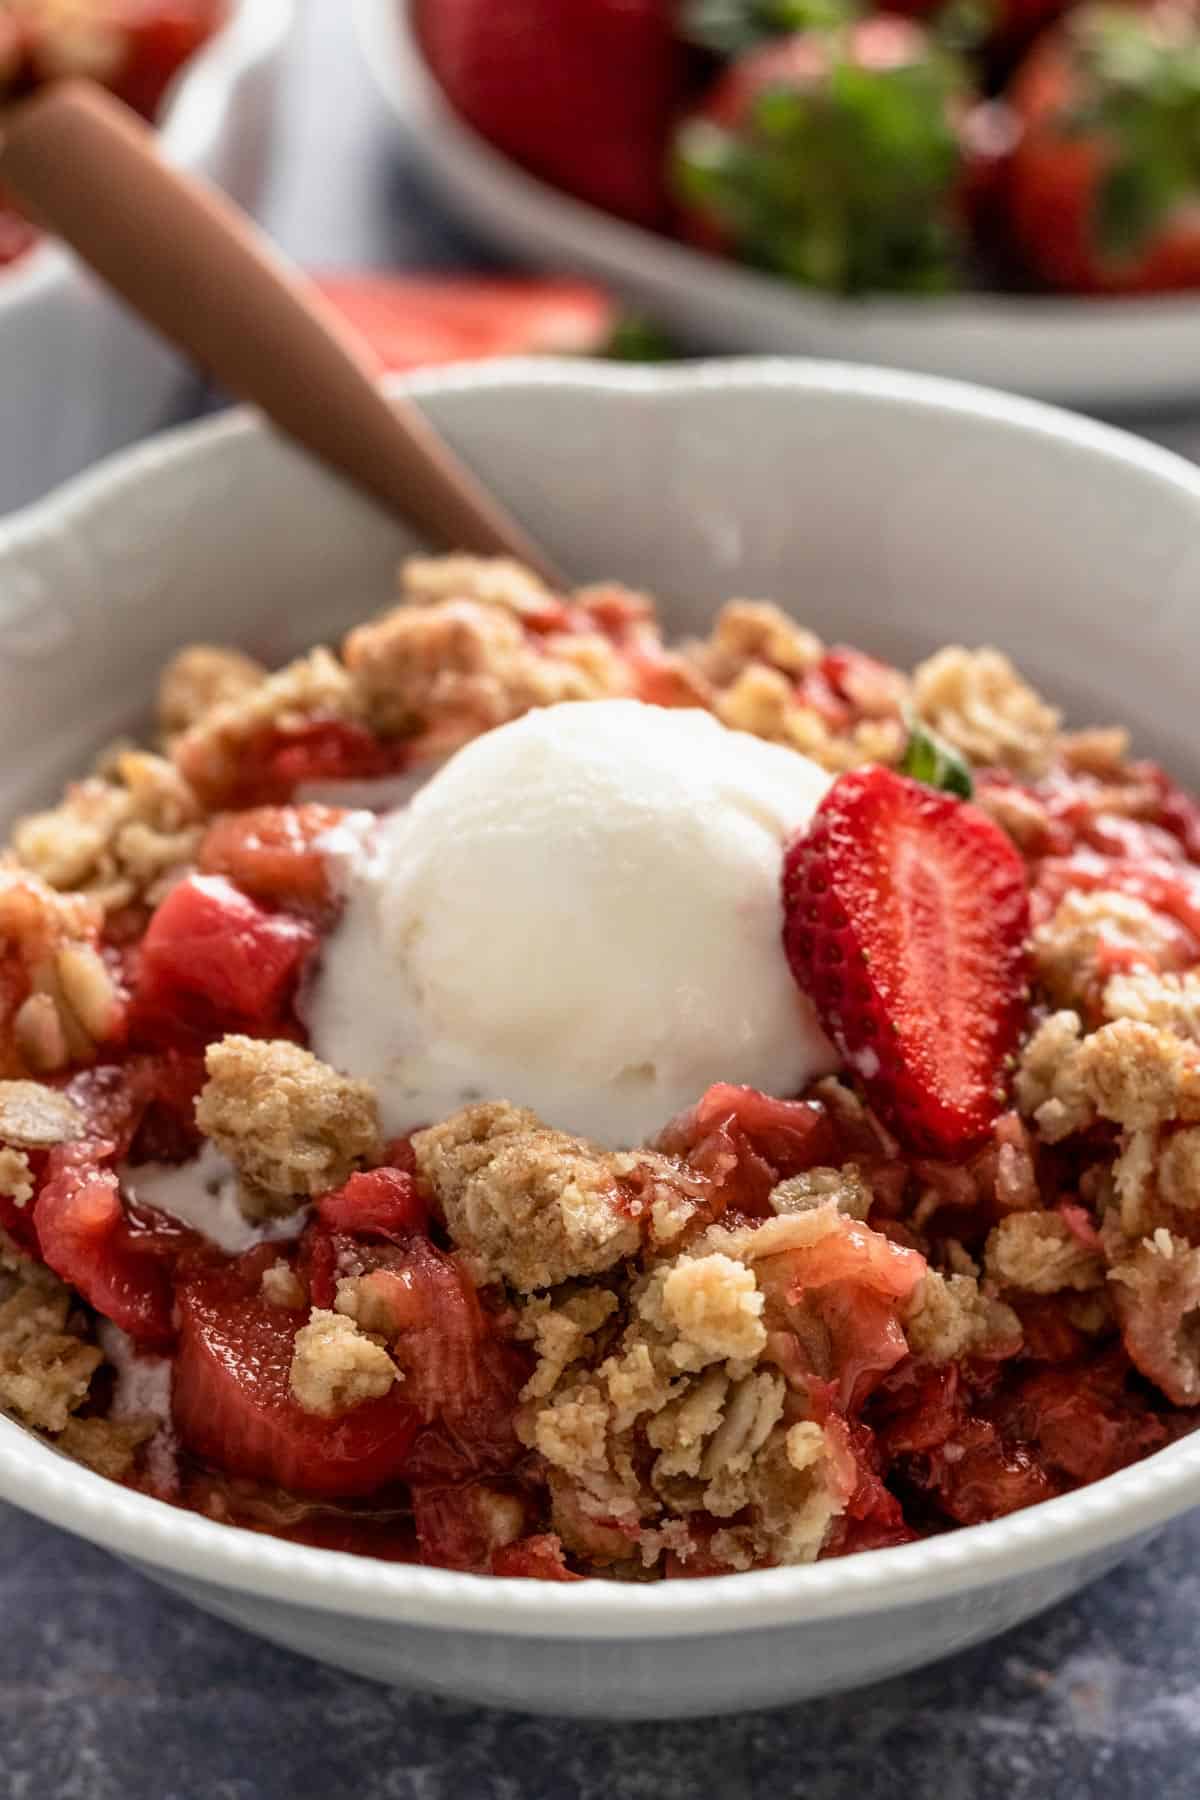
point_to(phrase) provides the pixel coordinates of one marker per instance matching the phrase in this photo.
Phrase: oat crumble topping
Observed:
(292, 1126)
(336, 1367)
(692, 1356)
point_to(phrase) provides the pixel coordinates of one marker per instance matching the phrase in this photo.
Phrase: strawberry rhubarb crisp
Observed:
(520, 1096)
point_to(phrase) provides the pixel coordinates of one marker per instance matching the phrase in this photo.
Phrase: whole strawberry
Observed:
(833, 157)
(906, 913)
(1104, 185)
(580, 92)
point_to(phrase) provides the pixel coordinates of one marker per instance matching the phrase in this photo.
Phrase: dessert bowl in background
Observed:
(78, 375)
(896, 512)
(1085, 351)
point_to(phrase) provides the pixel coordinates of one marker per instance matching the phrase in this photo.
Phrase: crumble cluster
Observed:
(48, 1358)
(474, 643)
(291, 1126)
(655, 1396)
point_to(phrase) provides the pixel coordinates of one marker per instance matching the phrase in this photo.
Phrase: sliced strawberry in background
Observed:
(906, 919)
(411, 322)
(233, 1406)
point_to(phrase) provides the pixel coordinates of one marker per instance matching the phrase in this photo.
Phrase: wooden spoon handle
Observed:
(192, 265)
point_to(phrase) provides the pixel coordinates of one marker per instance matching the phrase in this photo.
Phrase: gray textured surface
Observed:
(111, 1690)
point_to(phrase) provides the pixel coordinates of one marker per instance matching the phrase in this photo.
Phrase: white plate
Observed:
(78, 377)
(887, 510)
(1102, 354)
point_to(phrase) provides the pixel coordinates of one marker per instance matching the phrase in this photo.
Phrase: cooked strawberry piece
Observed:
(1172, 889)
(145, 1104)
(906, 918)
(87, 1240)
(1178, 812)
(852, 1252)
(233, 1406)
(842, 1297)
(864, 1333)
(917, 1408)
(870, 688)
(212, 957)
(979, 1476)
(873, 1518)
(273, 854)
(411, 321)
(815, 690)
(1084, 1421)
(160, 36)
(380, 1203)
(317, 1265)
(535, 1559)
(462, 1527)
(1047, 1335)
(18, 1222)
(383, 1531)
(460, 1377)
(745, 1143)
(278, 761)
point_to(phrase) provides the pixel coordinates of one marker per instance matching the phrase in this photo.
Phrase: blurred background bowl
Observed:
(1101, 354)
(78, 377)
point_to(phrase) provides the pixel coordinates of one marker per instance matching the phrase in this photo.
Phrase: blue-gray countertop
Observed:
(113, 1690)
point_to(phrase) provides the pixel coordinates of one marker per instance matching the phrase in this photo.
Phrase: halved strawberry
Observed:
(233, 1406)
(412, 322)
(906, 916)
(211, 957)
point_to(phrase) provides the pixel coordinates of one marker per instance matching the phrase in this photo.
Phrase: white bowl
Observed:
(893, 511)
(78, 377)
(1102, 354)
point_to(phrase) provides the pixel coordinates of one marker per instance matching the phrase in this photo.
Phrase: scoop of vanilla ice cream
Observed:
(580, 913)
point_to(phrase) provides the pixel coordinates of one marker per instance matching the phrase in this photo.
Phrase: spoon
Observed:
(194, 267)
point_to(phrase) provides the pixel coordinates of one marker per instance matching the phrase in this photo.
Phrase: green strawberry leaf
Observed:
(931, 759)
(847, 185)
(635, 338)
(1138, 82)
